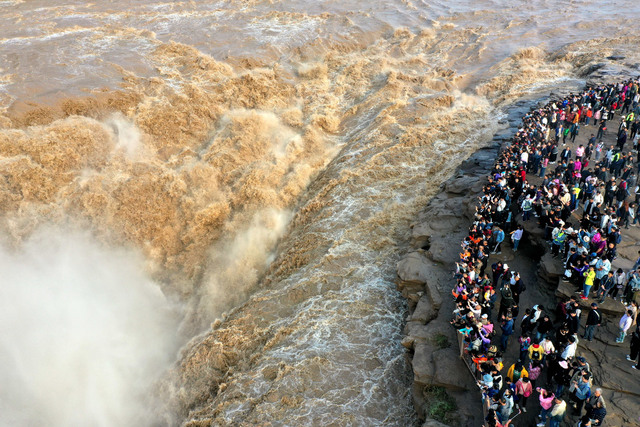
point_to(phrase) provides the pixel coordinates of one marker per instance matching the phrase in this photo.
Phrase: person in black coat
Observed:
(635, 348)
(594, 318)
(573, 322)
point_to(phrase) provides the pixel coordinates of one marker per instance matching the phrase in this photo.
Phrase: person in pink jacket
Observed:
(523, 391)
(546, 403)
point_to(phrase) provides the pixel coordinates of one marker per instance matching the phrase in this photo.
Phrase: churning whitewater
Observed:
(203, 203)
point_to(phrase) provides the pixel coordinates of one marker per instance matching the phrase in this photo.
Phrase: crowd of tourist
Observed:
(583, 200)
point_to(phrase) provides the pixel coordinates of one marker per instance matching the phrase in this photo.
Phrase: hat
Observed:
(593, 304)
(485, 316)
(505, 266)
(563, 364)
(582, 359)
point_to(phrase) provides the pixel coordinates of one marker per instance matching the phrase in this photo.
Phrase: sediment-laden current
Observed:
(258, 162)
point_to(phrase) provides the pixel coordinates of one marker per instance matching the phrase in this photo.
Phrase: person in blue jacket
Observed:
(507, 331)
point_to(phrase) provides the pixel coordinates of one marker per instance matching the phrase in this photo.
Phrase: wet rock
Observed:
(590, 69)
(608, 307)
(450, 371)
(469, 209)
(550, 269)
(417, 331)
(440, 251)
(433, 286)
(425, 310)
(462, 185)
(444, 219)
(414, 268)
(423, 369)
(408, 342)
(421, 235)
(433, 423)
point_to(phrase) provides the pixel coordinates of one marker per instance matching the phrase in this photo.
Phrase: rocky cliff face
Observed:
(424, 278)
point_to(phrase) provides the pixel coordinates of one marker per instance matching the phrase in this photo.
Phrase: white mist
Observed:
(83, 334)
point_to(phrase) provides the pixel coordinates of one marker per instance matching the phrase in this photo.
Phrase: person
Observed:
(492, 420)
(546, 399)
(635, 348)
(516, 235)
(543, 167)
(620, 278)
(558, 237)
(599, 147)
(632, 290)
(585, 421)
(525, 343)
(557, 412)
(594, 318)
(527, 207)
(517, 287)
(573, 321)
(523, 391)
(505, 406)
(606, 285)
(561, 375)
(589, 277)
(596, 407)
(507, 331)
(506, 301)
(601, 129)
(570, 350)
(535, 368)
(624, 325)
(581, 392)
(516, 371)
(547, 346)
(545, 327)
(536, 351)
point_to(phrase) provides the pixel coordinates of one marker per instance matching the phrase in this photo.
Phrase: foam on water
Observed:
(84, 333)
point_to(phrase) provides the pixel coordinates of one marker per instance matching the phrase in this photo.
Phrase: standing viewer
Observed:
(557, 412)
(594, 318)
(546, 403)
(635, 348)
(507, 331)
(516, 235)
(624, 325)
(523, 391)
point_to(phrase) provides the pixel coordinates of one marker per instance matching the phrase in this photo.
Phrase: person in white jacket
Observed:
(624, 325)
(557, 412)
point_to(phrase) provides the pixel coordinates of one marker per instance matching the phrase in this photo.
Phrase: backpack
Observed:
(516, 375)
(535, 354)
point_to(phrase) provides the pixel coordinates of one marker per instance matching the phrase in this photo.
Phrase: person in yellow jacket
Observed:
(589, 277)
(516, 371)
(629, 119)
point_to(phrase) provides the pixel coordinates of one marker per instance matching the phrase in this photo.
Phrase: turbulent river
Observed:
(202, 203)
